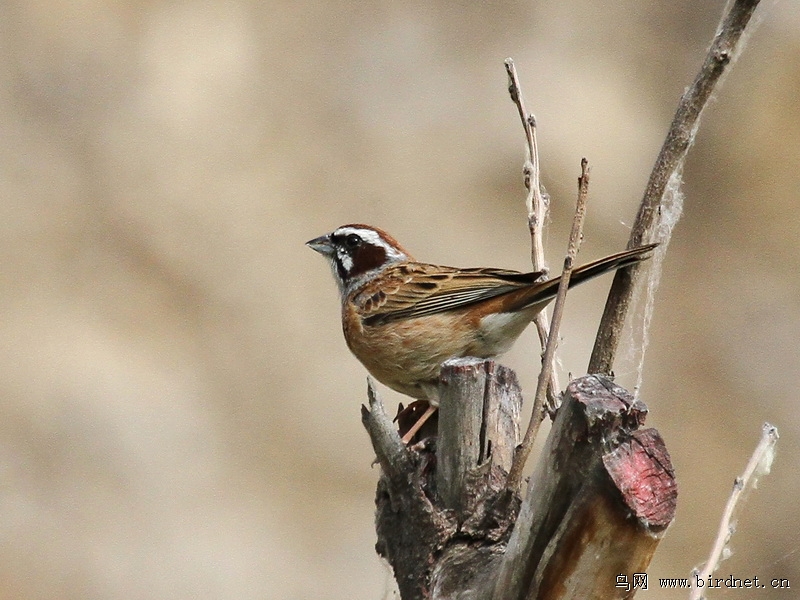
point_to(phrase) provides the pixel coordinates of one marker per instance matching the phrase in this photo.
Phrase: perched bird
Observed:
(402, 318)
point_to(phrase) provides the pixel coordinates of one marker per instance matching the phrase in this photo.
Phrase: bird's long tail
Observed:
(547, 291)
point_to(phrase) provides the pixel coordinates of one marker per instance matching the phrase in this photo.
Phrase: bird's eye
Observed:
(352, 241)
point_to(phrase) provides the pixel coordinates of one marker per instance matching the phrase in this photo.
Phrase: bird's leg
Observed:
(420, 422)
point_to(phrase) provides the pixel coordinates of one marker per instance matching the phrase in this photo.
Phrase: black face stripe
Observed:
(356, 256)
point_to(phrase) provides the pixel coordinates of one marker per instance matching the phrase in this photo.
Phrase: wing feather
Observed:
(415, 289)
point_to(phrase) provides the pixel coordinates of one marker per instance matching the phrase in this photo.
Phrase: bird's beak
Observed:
(322, 245)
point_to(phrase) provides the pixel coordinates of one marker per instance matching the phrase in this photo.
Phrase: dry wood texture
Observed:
(599, 500)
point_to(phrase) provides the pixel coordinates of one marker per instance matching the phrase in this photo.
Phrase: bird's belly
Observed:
(407, 355)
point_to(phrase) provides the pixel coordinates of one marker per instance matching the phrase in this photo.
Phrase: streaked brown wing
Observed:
(417, 289)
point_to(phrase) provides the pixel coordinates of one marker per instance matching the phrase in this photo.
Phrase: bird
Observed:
(402, 318)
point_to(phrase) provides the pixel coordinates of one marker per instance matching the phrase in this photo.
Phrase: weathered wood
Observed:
(459, 447)
(479, 404)
(598, 502)
(441, 548)
(614, 525)
(389, 450)
(478, 425)
(641, 469)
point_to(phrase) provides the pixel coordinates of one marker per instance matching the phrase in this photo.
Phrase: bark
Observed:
(598, 502)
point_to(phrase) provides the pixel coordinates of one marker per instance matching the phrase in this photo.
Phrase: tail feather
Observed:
(613, 262)
(546, 291)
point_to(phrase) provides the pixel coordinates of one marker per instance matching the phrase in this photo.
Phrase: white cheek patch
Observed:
(345, 260)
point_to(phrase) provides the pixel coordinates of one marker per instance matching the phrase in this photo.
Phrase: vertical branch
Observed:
(524, 450)
(669, 163)
(461, 409)
(537, 205)
(759, 464)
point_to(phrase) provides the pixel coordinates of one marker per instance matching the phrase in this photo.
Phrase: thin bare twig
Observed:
(759, 464)
(575, 238)
(668, 164)
(537, 205)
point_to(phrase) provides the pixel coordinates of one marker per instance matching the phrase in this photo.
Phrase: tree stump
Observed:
(600, 498)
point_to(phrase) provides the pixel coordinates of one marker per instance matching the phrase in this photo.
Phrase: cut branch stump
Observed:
(598, 502)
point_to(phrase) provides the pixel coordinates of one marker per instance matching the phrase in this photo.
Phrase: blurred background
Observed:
(179, 415)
